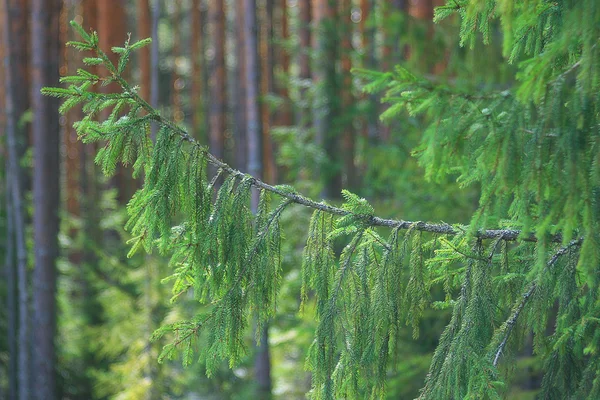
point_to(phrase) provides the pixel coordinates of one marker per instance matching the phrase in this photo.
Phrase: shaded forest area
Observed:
(310, 94)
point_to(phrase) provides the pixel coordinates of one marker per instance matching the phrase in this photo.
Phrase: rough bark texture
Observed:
(45, 127)
(216, 17)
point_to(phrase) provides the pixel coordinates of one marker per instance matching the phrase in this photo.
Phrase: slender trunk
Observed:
(266, 86)
(216, 16)
(347, 96)
(285, 114)
(144, 31)
(393, 51)
(197, 100)
(45, 128)
(305, 73)
(10, 271)
(326, 107)
(112, 23)
(253, 119)
(367, 33)
(73, 147)
(15, 24)
(154, 54)
(240, 134)
(176, 81)
(11, 289)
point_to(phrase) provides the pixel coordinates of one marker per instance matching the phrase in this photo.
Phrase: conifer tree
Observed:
(531, 147)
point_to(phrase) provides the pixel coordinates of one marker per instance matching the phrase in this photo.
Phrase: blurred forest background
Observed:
(71, 297)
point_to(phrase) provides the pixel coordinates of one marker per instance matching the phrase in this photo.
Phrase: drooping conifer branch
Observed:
(437, 228)
(512, 320)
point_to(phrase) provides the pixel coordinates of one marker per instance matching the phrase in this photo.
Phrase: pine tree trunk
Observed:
(392, 52)
(267, 59)
(253, 120)
(176, 80)
(10, 271)
(347, 96)
(285, 118)
(367, 33)
(14, 30)
(304, 34)
(217, 120)
(72, 145)
(11, 293)
(239, 89)
(198, 63)
(45, 128)
(326, 107)
(144, 31)
(262, 363)
(154, 55)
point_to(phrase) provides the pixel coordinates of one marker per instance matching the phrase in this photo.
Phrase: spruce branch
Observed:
(369, 220)
(512, 320)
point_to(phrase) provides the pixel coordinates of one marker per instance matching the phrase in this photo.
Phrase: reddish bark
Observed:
(348, 134)
(144, 31)
(198, 63)
(218, 105)
(267, 84)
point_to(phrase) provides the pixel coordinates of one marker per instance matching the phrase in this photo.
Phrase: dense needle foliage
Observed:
(532, 148)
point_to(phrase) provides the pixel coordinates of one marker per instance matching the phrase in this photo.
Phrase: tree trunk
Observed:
(326, 107)
(239, 89)
(154, 54)
(367, 33)
(393, 52)
(347, 96)
(176, 80)
(266, 86)
(73, 147)
(144, 31)
(262, 362)
(216, 17)
(304, 34)
(15, 70)
(10, 271)
(198, 68)
(285, 118)
(45, 127)
(11, 292)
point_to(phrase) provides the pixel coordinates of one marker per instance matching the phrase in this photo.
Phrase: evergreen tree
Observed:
(530, 146)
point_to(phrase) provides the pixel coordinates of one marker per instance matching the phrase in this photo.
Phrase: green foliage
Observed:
(532, 150)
